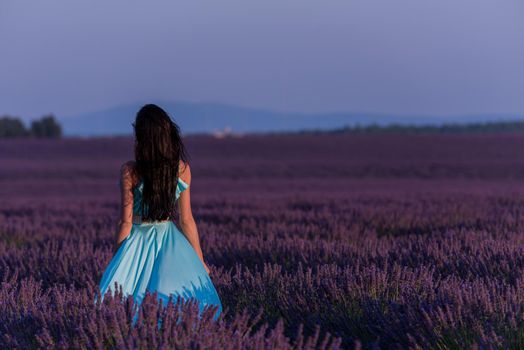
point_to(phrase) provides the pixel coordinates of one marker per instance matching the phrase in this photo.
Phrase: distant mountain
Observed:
(215, 117)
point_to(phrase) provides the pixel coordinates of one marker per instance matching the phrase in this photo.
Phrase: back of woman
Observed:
(151, 252)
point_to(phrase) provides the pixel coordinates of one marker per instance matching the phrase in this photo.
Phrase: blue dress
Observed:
(156, 256)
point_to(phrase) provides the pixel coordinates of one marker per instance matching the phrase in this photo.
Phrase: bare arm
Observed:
(126, 205)
(186, 220)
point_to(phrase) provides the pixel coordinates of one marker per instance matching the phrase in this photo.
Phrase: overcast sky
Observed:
(440, 57)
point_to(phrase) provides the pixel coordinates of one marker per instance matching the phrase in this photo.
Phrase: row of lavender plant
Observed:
(367, 275)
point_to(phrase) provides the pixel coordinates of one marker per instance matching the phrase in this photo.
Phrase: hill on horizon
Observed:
(211, 117)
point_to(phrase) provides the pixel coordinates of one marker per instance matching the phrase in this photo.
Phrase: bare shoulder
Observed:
(127, 171)
(128, 167)
(184, 172)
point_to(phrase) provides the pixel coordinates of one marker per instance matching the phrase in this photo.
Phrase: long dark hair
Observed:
(158, 152)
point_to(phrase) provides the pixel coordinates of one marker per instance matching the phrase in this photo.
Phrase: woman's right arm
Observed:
(125, 223)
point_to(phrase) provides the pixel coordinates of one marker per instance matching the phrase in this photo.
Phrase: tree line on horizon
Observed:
(45, 127)
(48, 127)
(445, 128)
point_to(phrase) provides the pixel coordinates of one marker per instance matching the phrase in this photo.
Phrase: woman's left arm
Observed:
(125, 222)
(186, 220)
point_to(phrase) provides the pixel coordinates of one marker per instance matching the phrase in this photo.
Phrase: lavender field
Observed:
(379, 241)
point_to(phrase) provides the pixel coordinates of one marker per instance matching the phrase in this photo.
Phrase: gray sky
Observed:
(388, 56)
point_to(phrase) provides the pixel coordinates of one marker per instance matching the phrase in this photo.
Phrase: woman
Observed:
(151, 253)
